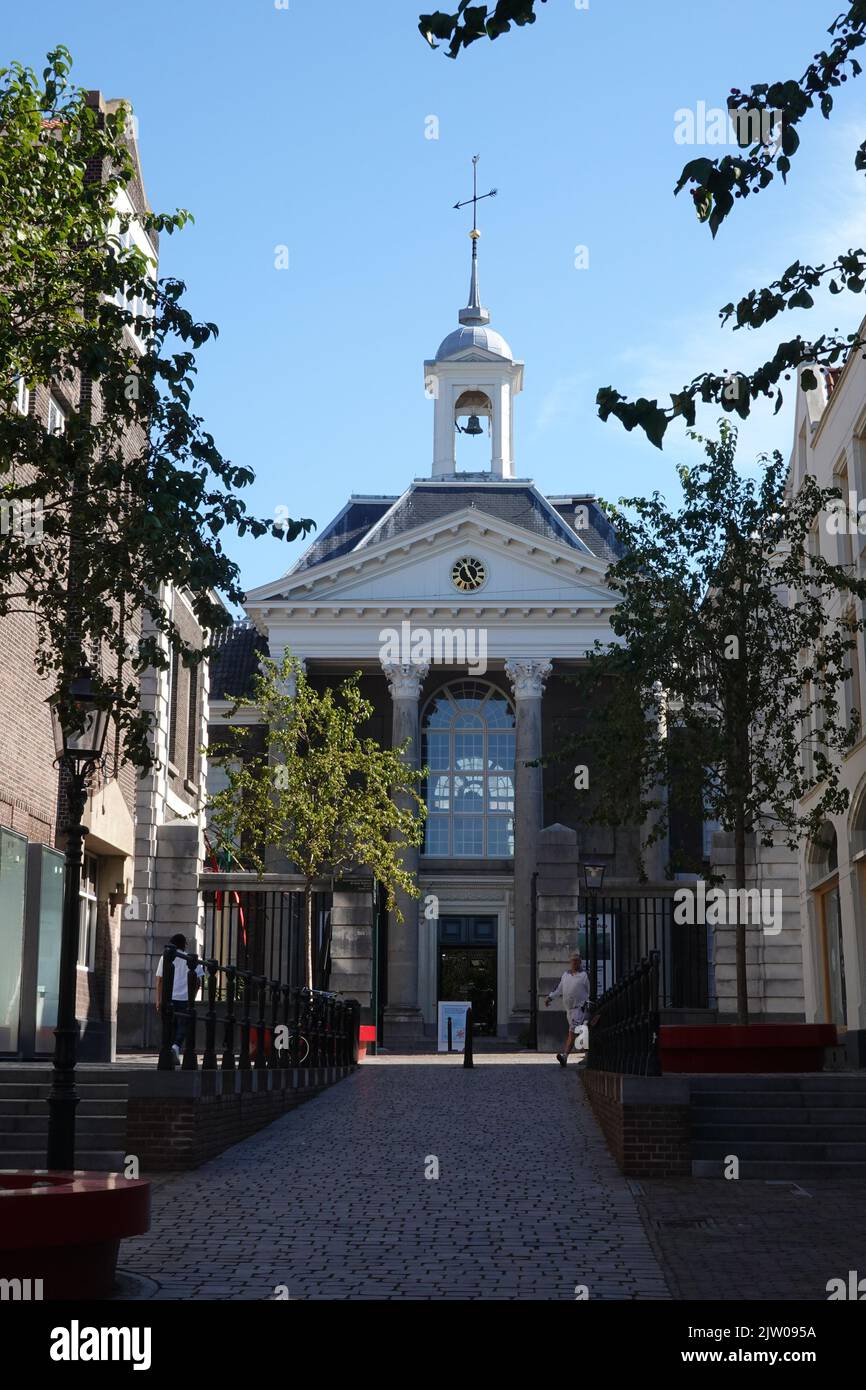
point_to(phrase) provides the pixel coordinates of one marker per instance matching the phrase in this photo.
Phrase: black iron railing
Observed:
(623, 1029)
(261, 929)
(616, 932)
(251, 1021)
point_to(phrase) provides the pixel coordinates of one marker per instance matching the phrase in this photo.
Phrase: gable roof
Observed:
(598, 534)
(521, 506)
(347, 529)
(366, 521)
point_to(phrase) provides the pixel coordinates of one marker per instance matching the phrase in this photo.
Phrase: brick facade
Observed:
(176, 1121)
(32, 794)
(645, 1120)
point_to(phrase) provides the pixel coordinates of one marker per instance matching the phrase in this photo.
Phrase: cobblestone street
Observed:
(755, 1240)
(332, 1201)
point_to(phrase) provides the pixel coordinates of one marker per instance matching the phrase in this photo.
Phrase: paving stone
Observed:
(331, 1200)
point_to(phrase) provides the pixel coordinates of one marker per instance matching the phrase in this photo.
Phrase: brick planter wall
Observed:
(645, 1120)
(177, 1120)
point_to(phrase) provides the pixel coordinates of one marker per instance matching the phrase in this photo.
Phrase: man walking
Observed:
(574, 988)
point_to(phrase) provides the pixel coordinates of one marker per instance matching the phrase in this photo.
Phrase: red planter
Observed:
(366, 1035)
(65, 1229)
(753, 1047)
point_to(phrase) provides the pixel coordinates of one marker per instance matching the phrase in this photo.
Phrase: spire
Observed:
(474, 315)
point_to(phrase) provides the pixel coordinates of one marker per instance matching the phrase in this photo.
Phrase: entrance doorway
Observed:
(467, 967)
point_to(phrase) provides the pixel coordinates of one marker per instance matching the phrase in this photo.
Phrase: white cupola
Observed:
(473, 377)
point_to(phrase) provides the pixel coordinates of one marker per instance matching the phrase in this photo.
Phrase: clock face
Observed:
(468, 574)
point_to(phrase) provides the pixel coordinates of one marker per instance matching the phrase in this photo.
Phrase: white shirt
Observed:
(179, 984)
(573, 988)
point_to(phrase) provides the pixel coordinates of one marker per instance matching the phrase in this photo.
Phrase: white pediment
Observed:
(414, 570)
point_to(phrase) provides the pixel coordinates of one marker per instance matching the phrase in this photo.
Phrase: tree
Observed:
(473, 22)
(728, 666)
(764, 121)
(134, 494)
(324, 797)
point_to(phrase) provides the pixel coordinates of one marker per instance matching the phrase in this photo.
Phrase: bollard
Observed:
(450, 1048)
(467, 1046)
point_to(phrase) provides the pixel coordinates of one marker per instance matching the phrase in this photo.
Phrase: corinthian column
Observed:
(527, 679)
(403, 1017)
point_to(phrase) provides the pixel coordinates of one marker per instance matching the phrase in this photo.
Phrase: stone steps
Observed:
(796, 1133)
(780, 1127)
(100, 1121)
(786, 1151)
(780, 1171)
(89, 1160)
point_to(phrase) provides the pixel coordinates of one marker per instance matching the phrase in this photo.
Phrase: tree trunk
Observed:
(308, 931)
(740, 876)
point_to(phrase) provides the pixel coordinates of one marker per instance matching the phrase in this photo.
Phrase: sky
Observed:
(302, 134)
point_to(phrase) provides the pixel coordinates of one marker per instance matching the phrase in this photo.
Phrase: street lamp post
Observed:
(593, 879)
(80, 723)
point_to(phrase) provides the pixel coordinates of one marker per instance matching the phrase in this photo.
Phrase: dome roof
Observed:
(466, 337)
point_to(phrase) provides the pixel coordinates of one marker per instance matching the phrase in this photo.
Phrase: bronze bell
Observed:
(473, 426)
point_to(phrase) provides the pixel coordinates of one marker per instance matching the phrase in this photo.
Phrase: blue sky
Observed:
(300, 128)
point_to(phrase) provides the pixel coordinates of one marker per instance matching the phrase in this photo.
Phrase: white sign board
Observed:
(456, 1010)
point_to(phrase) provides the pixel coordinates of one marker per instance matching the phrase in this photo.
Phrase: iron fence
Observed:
(617, 932)
(262, 1022)
(623, 1030)
(260, 929)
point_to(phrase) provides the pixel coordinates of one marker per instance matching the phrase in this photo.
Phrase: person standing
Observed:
(179, 993)
(574, 989)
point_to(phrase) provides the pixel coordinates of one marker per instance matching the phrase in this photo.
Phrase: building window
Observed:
(87, 913)
(844, 548)
(193, 734)
(822, 878)
(22, 396)
(56, 418)
(851, 687)
(172, 707)
(125, 298)
(468, 744)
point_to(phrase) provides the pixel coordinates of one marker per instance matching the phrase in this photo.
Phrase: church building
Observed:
(465, 602)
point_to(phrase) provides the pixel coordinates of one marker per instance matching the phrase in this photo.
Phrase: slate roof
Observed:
(343, 533)
(358, 523)
(520, 506)
(236, 661)
(599, 535)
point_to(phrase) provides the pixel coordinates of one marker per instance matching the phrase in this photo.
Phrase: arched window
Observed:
(468, 745)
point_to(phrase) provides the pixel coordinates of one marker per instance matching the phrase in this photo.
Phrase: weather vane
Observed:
(474, 314)
(475, 200)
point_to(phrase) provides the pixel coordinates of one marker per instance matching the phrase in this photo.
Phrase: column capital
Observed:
(527, 676)
(405, 678)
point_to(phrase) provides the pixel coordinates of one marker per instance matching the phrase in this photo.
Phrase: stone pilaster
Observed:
(275, 860)
(352, 947)
(403, 1018)
(557, 889)
(774, 958)
(527, 677)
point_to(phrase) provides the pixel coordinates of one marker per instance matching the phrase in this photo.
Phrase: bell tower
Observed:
(473, 377)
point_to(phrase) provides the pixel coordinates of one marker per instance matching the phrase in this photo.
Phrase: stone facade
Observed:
(774, 958)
